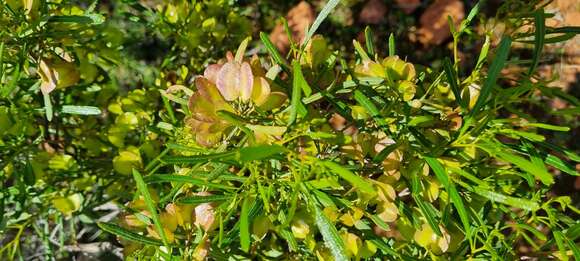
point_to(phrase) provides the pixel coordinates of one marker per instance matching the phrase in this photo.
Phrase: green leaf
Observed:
(245, 226)
(392, 50)
(381, 156)
(453, 83)
(248, 154)
(347, 175)
(554, 39)
(421, 120)
(527, 135)
(559, 238)
(539, 36)
(289, 237)
(371, 108)
(522, 163)
(361, 52)
(79, 19)
(570, 154)
(574, 248)
(142, 188)
(81, 110)
(158, 178)
(442, 176)
(425, 208)
(564, 29)
(493, 73)
(129, 235)
(2, 60)
(472, 13)
(560, 164)
(273, 51)
(47, 106)
(217, 157)
(428, 213)
(242, 50)
(180, 147)
(573, 232)
(541, 174)
(2, 211)
(319, 19)
(231, 118)
(369, 41)
(298, 84)
(549, 126)
(508, 200)
(483, 53)
(7, 89)
(198, 199)
(329, 234)
(380, 223)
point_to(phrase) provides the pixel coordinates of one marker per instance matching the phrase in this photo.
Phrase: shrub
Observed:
(331, 151)
(319, 157)
(75, 117)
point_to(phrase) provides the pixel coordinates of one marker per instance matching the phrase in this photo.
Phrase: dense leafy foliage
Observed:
(317, 154)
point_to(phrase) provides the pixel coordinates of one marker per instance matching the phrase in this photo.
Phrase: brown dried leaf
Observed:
(408, 6)
(434, 26)
(373, 12)
(299, 18)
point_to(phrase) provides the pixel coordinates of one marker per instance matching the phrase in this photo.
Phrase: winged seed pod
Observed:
(396, 72)
(238, 87)
(56, 74)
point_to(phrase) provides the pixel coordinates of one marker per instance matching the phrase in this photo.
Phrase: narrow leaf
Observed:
(541, 174)
(198, 199)
(559, 238)
(392, 50)
(273, 51)
(370, 107)
(549, 126)
(127, 234)
(81, 110)
(47, 106)
(361, 52)
(352, 178)
(185, 179)
(472, 13)
(247, 154)
(564, 29)
(425, 208)
(456, 199)
(320, 18)
(493, 74)
(78, 19)
(330, 235)
(1, 60)
(483, 53)
(539, 36)
(175, 146)
(7, 89)
(245, 226)
(560, 165)
(369, 41)
(142, 188)
(570, 154)
(218, 157)
(242, 50)
(297, 83)
(508, 200)
(452, 79)
(574, 248)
